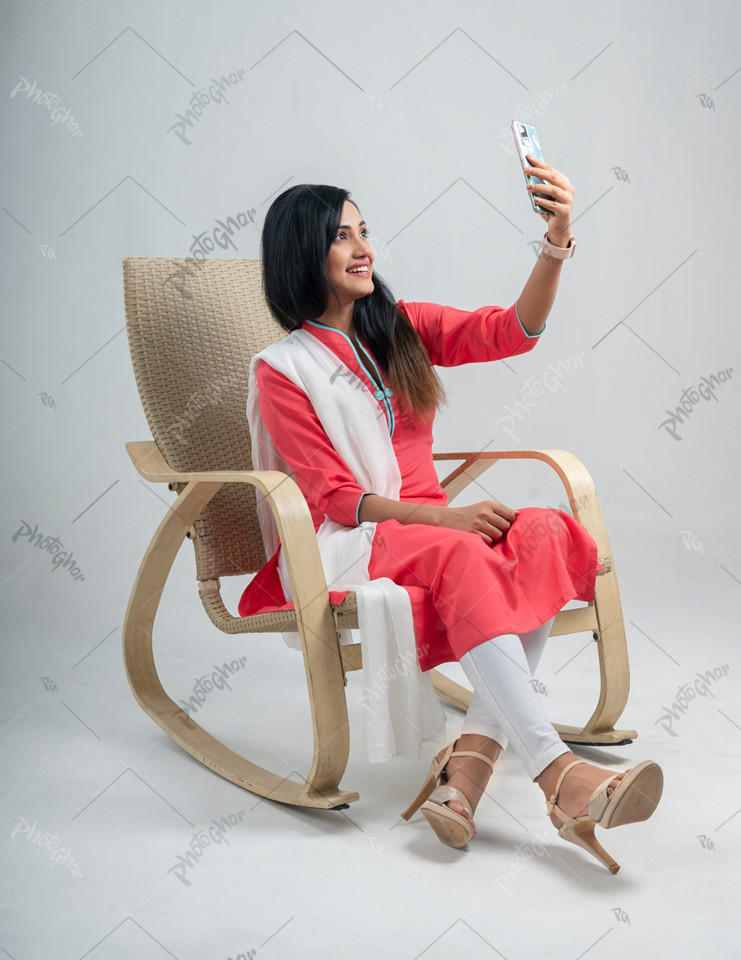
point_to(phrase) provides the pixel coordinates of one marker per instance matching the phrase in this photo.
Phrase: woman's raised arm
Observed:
(535, 302)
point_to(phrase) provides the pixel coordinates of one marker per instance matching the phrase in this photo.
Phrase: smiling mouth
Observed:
(363, 272)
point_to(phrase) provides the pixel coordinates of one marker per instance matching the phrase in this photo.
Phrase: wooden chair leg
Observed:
(614, 671)
(450, 691)
(329, 719)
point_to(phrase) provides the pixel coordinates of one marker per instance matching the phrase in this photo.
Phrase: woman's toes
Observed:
(614, 783)
(457, 807)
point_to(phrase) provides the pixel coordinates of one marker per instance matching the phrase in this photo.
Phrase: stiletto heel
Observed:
(581, 832)
(452, 828)
(634, 799)
(428, 787)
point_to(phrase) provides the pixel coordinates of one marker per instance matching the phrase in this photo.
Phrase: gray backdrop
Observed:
(407, 105)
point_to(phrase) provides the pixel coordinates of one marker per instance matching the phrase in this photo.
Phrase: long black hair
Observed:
(299, 229)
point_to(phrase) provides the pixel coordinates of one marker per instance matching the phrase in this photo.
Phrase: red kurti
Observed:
(463, 590)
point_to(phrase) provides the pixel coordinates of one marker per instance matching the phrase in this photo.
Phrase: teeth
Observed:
(358, 270)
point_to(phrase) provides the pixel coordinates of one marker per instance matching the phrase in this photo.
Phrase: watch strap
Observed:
(558, 253)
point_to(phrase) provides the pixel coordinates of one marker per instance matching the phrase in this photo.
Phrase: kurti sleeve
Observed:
(323, 476)
(453, 337)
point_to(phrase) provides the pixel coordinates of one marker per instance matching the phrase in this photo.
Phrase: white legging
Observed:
(505, 705)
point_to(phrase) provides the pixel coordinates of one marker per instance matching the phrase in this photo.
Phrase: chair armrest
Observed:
(285, 499)
(571, 470)
(574, 475)
(151, 464)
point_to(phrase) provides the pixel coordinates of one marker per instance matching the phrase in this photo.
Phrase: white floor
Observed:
(100, 808)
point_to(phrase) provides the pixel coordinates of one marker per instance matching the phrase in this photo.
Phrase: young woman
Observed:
(480, 594)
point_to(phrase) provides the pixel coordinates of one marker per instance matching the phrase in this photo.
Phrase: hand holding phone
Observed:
(526, 141)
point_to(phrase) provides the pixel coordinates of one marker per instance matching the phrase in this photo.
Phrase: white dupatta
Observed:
(400, 707)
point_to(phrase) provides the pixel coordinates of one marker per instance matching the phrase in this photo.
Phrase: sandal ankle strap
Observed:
(472, 753)
(554, 796)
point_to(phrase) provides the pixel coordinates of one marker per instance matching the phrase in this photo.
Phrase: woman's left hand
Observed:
(558, 188)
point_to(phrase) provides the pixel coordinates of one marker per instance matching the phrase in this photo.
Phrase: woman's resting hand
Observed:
(489, 519)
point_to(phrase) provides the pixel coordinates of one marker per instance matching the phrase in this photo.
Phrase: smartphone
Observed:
(526, 141)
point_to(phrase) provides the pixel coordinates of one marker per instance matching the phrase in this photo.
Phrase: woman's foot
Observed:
(577, 786)
(616, 798)
(469, 774)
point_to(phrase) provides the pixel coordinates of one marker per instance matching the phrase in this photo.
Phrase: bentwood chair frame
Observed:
(193, 327)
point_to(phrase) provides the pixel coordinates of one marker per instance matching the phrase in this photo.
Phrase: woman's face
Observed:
(350, 258)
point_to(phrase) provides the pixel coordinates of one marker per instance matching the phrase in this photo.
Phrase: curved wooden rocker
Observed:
(217, 322)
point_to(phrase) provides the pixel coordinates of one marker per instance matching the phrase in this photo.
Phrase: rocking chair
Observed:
(193, 327)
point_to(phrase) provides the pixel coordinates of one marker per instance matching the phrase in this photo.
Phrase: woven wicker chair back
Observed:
(193, 327)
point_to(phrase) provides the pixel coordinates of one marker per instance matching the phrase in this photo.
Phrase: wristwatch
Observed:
(558, 253)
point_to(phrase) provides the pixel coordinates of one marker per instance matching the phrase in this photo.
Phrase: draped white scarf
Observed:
(400, 707)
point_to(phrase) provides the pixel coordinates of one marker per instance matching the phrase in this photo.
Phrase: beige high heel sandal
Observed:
(635, 798)
(451, 827)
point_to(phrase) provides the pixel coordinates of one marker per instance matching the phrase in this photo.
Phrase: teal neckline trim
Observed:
(390, 418)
